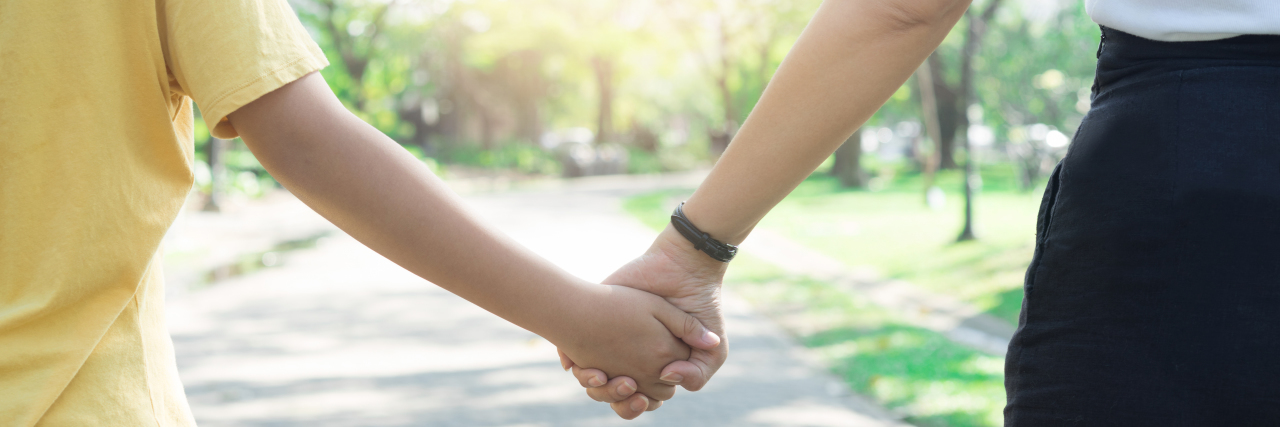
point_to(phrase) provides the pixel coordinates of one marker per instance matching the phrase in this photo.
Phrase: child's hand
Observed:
(623, 331)
(690, 280)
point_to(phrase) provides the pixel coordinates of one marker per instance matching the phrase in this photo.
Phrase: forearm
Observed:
(852, 56)
(378, 193)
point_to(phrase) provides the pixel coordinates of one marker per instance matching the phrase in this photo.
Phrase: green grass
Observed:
(917, 371)
(894, 232)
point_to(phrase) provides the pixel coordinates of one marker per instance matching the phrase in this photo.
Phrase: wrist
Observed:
(702, 241)
(724, 225)
(569, 304)
(674, 246)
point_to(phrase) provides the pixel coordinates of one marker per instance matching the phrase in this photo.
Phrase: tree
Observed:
(735, 44)
(382, 68)
(848, 162)
(932, 117)
(977, 28)
(352, 33)
(215, 149)
(603, 68)
(1034, 75)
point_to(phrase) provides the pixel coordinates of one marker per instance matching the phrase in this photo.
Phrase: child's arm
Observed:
(374, 190)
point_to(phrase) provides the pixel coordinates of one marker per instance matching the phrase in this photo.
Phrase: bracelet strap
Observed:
(721, 251)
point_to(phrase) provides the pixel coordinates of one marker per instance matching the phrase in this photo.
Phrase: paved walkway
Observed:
(338, 336)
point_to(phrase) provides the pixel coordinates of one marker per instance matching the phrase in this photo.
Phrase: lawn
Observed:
(915, 371)
(894, 232)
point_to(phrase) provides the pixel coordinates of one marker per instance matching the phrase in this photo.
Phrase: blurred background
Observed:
(874, 266)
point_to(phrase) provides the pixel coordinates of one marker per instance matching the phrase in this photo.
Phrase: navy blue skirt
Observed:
(1153, 298)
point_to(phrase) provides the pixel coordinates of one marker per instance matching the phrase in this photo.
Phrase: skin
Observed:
(381, 195)
(848, 61)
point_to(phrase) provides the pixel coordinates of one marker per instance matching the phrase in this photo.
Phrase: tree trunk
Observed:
(929, 109)
(720, 138)
(604, 114)
(948, 112)
(452, 103)
(422, 131)
(217, 169)
(848, 162)
(354, 59)
(973, 40)
(524, 75)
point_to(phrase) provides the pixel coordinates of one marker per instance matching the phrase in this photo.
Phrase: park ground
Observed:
(891, 234)
(279, 319)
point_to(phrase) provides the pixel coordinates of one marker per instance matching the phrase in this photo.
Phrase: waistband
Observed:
(1122, 46)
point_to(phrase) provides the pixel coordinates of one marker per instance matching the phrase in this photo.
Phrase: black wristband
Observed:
(721, 251)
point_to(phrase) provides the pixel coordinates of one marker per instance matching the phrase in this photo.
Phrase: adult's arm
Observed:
(848, 61)
(850, 58)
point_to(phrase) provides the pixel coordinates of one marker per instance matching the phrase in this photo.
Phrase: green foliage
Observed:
(241, 174)
(522, 158)
(1037, 66)
(641, 161)
(476, 67)
(654, 209)
(432, 163)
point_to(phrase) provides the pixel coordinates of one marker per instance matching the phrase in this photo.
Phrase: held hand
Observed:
(619, 392)
(690, 280)
(626, 332)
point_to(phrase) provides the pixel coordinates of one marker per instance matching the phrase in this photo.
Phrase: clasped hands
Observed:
(646, 343)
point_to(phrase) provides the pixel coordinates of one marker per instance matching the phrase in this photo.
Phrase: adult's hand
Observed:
(689, 280)
(849, 60)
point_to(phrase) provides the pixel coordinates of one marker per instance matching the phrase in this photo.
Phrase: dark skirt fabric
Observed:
(1153, 298)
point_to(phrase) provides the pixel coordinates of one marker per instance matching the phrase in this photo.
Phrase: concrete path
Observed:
(338, 336)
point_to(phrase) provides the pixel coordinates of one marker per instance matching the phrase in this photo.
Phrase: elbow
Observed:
(907, 15)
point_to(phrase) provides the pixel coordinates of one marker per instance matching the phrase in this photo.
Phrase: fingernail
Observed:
(672, 377)
(640, 404)
(710, 338)
(595, 382)
(626, 389)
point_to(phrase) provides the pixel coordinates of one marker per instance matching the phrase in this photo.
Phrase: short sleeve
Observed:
(227, 53)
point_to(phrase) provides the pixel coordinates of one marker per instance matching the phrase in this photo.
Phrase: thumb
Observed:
(688, 328)
(565, 362)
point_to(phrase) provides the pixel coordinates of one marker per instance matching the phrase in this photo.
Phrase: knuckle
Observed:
(690, 325)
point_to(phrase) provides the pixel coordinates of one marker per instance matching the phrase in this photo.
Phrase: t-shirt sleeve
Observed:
(227, 53)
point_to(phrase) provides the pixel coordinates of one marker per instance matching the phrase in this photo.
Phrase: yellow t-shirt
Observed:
(95, 161)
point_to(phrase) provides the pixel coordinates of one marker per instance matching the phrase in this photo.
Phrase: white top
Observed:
(1187, 20)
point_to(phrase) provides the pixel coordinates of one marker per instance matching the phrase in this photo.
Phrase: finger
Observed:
(564, 360)
(589, 378)
(617, 390)
(687, 327)
(654, 405)
(682, 372)
(632, 407)
(694, 373)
